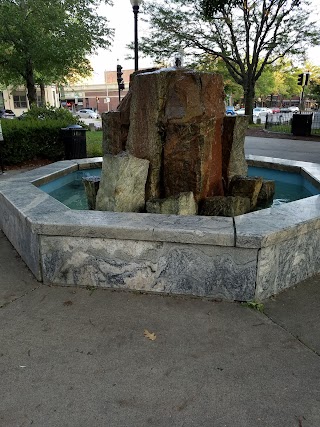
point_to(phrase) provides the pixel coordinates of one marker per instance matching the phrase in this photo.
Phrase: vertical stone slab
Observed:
(122, 185)
(115, 126)
(175, 120)
(145, 137)
(91, 187)
(233, 156)
(188, 159)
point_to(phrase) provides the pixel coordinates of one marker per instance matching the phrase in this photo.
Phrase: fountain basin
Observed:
(289, 186)
(248, 257)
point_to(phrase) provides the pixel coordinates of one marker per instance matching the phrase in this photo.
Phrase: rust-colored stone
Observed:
(188, 163)
(176, 123)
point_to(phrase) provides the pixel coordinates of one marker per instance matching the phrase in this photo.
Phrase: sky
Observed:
(120, 16)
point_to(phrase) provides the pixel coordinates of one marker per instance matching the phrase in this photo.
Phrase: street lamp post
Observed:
(135, 8)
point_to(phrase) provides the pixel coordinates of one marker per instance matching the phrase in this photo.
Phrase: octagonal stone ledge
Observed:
(136, 226)
(270, 226)
(44, 174)
(165, 267)
(287, 263)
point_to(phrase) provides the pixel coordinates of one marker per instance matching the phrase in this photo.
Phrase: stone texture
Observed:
(224, 206)
(91, 186)
(182, 204)
(202, 270)
(188, 160)
(115, 126)
(266, 193)
(283, 240)
(176, 123)
(122, 185)
(246, 187)
(233, 157)
(287, 263)
(115, 131)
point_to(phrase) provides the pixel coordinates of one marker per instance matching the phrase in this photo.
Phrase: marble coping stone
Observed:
(137, 226)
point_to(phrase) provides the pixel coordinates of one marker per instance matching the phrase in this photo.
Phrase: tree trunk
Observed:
(43, 94)
(31, 87)
(249, 94)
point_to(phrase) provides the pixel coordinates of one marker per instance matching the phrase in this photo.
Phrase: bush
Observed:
(37, 136)
(50, 113)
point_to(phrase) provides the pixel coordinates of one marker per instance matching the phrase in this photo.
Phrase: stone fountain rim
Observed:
(47, 216)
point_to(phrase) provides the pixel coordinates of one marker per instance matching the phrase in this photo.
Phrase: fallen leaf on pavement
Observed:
(68, 303)
(150, 335)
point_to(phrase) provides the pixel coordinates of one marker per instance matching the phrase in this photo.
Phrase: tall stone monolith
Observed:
(176, 118)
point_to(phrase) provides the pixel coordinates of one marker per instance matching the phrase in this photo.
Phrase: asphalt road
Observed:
(306, 151)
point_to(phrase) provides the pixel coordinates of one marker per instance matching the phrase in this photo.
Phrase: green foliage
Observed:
(211, 7)
(26, 140)
(50, 113)
(254, 305)
(94, 144)
(248, 35)
(48, 41)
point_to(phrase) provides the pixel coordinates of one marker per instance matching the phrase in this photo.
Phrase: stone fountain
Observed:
(170, 149)
(177, 153)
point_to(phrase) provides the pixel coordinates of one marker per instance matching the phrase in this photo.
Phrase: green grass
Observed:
(94, 143)
(255, 126)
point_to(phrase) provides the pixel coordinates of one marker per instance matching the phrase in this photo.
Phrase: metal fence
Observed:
(282, 122)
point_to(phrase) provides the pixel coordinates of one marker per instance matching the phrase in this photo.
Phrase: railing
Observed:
(281, 122)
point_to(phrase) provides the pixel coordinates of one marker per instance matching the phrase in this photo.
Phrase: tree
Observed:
(46, 41)
(248, 35)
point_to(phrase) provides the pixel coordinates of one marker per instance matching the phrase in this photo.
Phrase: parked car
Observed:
(261, 111)
(294, 109)
(241, 112)
(285, 110)
(86, 113)
(230, 111)
(275, 110)
(7, 114)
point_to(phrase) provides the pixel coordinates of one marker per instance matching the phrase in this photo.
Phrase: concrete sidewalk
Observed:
(77, 357)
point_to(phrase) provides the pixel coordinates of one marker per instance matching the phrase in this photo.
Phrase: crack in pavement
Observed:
(290, 333)
(20, 296)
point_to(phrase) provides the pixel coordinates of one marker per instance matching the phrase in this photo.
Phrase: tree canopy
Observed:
(248, 35)
(44, 42)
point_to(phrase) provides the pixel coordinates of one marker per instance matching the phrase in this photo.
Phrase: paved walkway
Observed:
(74, 357)
(305, 151)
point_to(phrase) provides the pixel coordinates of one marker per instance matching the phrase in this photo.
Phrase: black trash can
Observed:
(75, 142)
(301, 124)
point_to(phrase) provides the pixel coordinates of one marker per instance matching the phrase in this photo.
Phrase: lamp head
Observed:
(136, 2)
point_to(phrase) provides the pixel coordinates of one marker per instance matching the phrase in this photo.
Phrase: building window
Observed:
(1, 100)
(20, 101)
(39, 101)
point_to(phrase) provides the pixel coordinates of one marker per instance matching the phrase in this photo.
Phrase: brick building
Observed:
(99, 97)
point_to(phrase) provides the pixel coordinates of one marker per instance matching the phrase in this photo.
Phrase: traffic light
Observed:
(307, 79)
(119, 78)
(119, 74)
(301, 79)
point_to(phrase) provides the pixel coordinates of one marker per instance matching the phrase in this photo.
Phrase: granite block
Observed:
(17, 228)
(137, 226)
(201, 270)
(46, 173)
(287, 263)
(269, 226)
